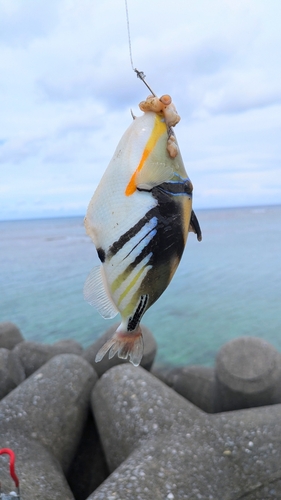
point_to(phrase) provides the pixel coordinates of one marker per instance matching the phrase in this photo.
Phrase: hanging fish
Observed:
(138, 219)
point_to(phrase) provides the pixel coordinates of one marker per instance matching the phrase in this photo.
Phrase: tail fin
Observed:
(126, 344)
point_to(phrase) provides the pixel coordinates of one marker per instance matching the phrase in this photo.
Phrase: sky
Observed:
(67, 87)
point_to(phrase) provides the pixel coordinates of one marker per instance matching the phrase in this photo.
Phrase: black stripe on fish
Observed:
(167, 245)
(143, 255)
(101, 254)
(135, 319)
(165, 248)
(177, 188)
(169, 239)
(117, 245)
(170, 189)
(139, 258)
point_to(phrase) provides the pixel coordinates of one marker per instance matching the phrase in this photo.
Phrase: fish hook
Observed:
(140, 74)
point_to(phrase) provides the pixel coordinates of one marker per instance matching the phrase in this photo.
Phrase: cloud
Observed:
(22, 22)
(67, 87)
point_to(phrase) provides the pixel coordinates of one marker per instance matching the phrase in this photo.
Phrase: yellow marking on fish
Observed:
(119, 280)
(174, 264)
(186, 205)
(159, 129)
(131, 307)
(131, 284)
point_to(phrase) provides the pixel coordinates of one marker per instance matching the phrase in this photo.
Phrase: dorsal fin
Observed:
(96, 294)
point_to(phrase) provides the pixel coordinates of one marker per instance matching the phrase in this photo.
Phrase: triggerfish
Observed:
(138, 219)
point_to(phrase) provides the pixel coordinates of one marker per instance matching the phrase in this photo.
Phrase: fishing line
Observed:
(140, 74)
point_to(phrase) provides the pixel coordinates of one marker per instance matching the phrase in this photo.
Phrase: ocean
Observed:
(226, 286)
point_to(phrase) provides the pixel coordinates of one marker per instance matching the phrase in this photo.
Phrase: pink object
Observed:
(12, 464)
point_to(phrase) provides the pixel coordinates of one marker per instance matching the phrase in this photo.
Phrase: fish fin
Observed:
(128, 344)
(152, 175)
(194, 226)
(95, 293)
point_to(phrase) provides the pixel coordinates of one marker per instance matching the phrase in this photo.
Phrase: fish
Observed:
(139, 219)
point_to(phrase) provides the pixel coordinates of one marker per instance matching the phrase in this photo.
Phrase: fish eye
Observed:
(188, 187)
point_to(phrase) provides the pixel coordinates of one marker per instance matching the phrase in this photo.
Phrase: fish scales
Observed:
(138, 219)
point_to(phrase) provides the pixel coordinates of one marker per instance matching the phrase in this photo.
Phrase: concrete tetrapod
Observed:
(160, 446)
(10, 335)
(41, 421)
(248, 374)
(11, 371)
(195, 383)
(33, 355)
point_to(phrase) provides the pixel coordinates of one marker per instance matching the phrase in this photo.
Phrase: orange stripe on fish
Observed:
(159, 129)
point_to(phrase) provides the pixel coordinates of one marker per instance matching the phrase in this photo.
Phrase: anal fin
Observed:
(95, 293)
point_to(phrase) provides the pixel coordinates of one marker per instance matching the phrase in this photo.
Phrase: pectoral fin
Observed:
(96, 294)
(194, 226)
(152, 175)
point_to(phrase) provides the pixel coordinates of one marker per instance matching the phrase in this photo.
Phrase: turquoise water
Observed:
(226, 286)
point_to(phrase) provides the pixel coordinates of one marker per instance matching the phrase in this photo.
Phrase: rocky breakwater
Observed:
(130, 436)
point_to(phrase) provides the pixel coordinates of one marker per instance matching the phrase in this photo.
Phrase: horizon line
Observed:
(72, 216)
